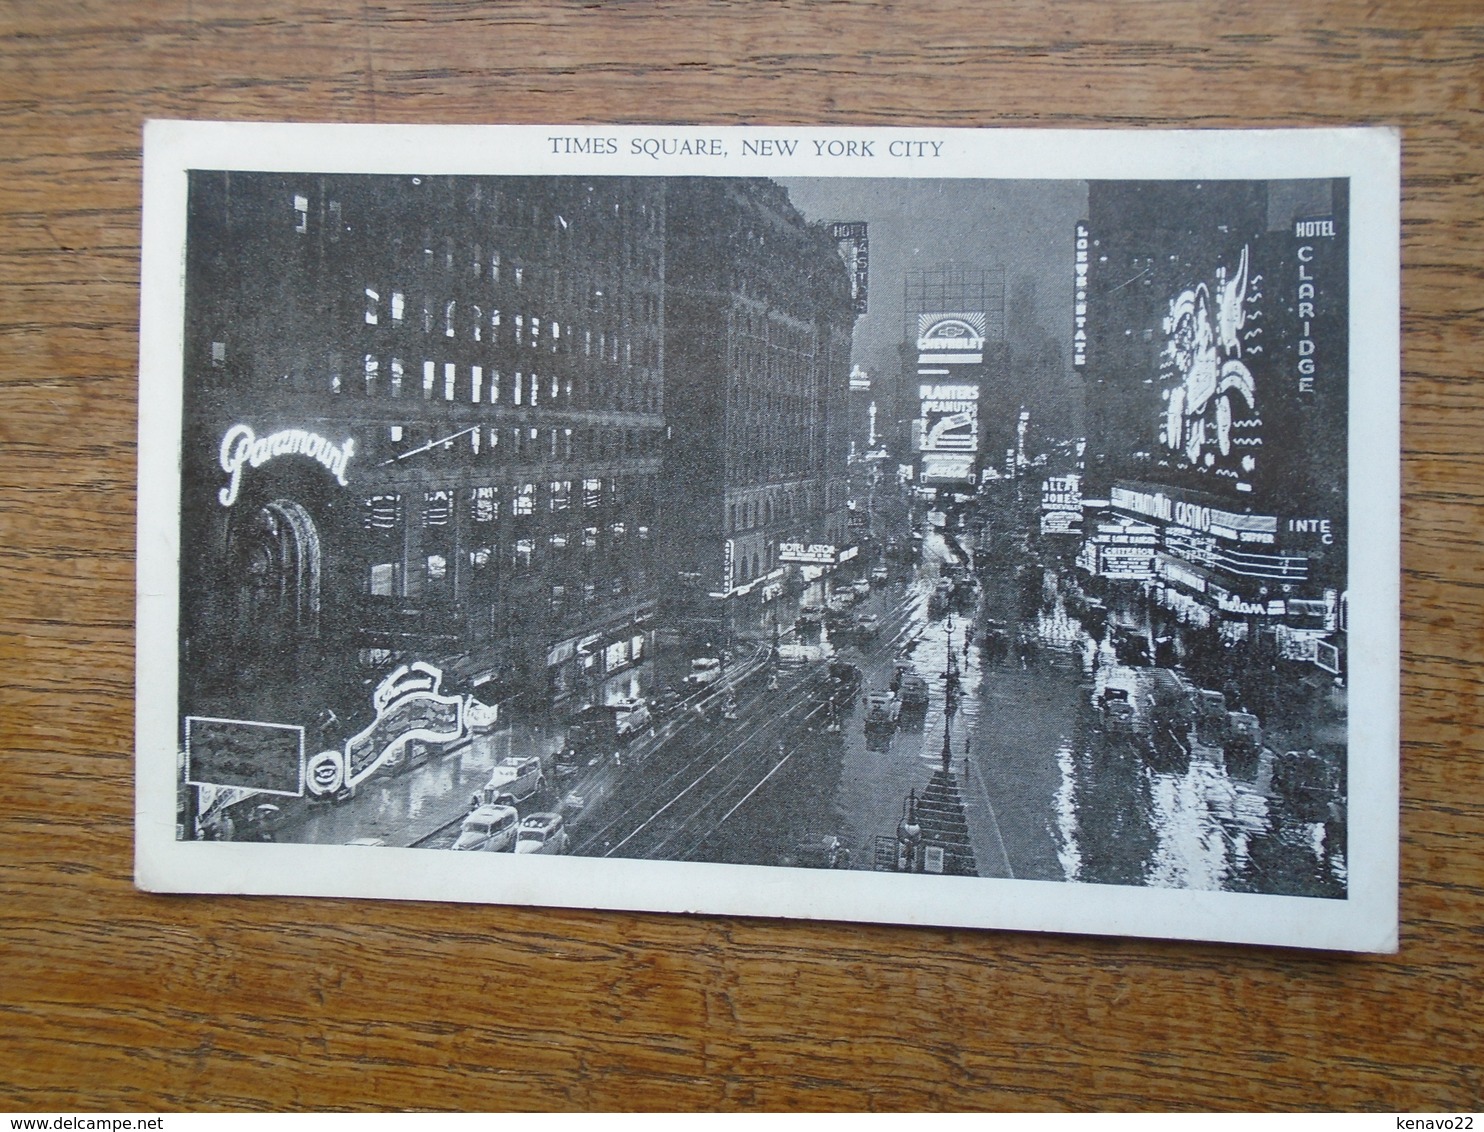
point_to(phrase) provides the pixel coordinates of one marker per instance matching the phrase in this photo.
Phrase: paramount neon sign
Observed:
(241, 446)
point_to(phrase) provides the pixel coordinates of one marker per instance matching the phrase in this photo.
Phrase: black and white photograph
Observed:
(969, 528)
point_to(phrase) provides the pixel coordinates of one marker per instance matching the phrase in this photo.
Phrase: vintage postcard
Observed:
(970, 528)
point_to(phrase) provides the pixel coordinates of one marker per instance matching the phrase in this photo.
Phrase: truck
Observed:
(603, 731)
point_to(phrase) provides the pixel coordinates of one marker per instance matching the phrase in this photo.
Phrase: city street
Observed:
(1045, 794)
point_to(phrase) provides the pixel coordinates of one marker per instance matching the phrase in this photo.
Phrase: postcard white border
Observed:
(1366, 921)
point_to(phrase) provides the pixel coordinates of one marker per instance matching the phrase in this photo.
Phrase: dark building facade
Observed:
(1211, 333)
(758, 320)
(423, 421)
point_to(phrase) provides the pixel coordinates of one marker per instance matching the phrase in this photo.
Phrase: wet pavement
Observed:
(1044, 793)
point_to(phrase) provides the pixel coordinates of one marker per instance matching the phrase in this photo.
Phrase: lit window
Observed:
(437, 567)
(301, 214)
(428, 373)
(476, 385)
(396, 377)
(371, 369)
(524, 500)
(495, 270)
(525, 548)
(437, 508)
(372, 298)
(398, 306)
(518, 383)
(448, 380)
(484, 504)
(395, 432)
(448, 319)
(383, 579)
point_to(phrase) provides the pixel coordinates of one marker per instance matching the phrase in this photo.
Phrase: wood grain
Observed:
(114, 999)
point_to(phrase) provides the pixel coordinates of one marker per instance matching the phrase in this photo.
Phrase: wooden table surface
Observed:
(111, 999)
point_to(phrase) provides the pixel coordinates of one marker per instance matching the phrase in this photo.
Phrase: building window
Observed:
(372, 365)
(525, 550)
(437, 508)
(592, 494)
(476, 383)
(494, 327)
(484, 504)
(383, 580)
(560, 497)
(399, 306)
(372, 300)
(495, 275)
(449, 370)
(218, 354)
(523, 502)
(382, 513)
(437, 567)
(428, 381)
(448, 312)
(494, 387)
(336, 222)
(396, 377)
(301, 214)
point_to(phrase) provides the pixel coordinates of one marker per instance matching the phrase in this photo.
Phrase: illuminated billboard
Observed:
(1210, 418)
(947, 469)
(949, 418)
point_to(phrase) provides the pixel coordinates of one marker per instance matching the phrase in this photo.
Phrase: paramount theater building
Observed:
(1211, 328)
(423, 424)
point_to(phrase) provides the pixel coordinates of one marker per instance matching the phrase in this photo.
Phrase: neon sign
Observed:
(1209, 391)
(241, 446)
(409, 706)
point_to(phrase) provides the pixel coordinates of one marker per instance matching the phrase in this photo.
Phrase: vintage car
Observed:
(1211, 716)
(827, 852)
(489, 829)
(542, 833)
(912, 690)
(703, 671)
(1243, 734)
(883, 709)
(514, 778)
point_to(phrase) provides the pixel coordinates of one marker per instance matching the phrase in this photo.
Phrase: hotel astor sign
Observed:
(242, 446)
(816, 553)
